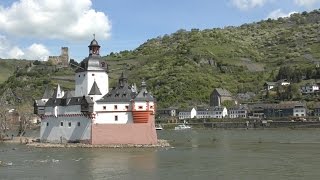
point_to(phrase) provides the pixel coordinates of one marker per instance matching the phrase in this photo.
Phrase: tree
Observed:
(228, 103)
(25, 114)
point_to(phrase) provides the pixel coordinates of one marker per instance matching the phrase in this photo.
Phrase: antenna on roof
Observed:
(94, 36)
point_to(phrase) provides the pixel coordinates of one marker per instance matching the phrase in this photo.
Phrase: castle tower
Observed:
(91, 70)
(64, 57)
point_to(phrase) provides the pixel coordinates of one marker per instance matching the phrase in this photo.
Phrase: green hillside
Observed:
(8, 66)
(182, 68)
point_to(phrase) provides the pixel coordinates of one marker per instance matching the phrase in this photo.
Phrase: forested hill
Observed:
(182, 68)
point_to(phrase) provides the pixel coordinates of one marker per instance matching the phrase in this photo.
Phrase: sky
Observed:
(36, 29)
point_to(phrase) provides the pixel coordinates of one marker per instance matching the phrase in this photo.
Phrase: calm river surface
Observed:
(197, 154)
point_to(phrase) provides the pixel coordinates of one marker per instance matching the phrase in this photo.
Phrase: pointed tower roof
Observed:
(58, 92)
(95, 89)
(94, 61)
(48, 93)
(144, 95)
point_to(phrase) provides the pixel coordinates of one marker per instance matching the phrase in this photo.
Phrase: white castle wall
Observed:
(106, 113)
(142, 106)
(81, 84)
(84, 82)
(60, 110)
(52, 131)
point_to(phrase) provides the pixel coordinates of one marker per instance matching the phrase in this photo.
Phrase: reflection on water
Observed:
(196, 154)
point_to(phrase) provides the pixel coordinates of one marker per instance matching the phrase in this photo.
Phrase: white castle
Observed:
(93, 114)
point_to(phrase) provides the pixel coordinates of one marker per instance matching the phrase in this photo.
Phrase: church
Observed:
(95, 114)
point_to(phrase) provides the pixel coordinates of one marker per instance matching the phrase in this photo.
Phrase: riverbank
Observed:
(161, 143)
(249, 125)
(32, 142)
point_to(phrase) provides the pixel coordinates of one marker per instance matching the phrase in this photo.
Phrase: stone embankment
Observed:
(161, 143)
(19, 140)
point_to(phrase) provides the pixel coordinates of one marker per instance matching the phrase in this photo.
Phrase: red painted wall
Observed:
(139, 133)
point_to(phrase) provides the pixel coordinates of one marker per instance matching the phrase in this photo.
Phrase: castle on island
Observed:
(94, 114)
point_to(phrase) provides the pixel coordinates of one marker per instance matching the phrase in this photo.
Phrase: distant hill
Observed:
(182, 68)
(8, 66)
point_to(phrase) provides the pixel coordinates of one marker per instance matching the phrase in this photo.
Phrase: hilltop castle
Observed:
(62, 60)
(93, 114)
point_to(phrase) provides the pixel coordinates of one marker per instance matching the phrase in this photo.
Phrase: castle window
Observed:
(151, 107)
(92, 74)
(91, 98)
(104, 107)
(78, 123)
(47, 123)
(79, 75)
(61, 123)
(115, 107)
(69, 124)
(116, 118)
(127, 107)
(140, 107)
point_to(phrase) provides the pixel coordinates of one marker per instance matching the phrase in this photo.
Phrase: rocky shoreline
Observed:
(161, 143)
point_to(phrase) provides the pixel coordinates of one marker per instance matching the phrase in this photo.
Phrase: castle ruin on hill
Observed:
(62, 60)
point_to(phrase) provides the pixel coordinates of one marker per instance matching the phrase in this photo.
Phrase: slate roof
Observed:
(239, 107)
(223, 92)
(68, 94)
(91, 63)
(48, 93)
(217, 108)
(122, 93)
(144, 95)
(187, 109)
(67, 101)
(95, 89)
(270, 83)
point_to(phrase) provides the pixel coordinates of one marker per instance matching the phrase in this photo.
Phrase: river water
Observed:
(196, 154)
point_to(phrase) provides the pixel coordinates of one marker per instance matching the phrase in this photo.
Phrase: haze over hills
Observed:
(182, 68)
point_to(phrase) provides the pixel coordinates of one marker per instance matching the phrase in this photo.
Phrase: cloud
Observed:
(33, 52)
(54, 19)
(278, 13)
(248, 4)
(306, 3)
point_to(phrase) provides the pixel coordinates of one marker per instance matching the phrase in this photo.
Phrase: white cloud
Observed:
(248, 4)
(33, 52)
(278, 13)
(37, 51)
(54, 19)
(306, 3)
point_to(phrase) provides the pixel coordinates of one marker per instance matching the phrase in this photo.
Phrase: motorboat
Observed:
(158, 127)
(182, 127)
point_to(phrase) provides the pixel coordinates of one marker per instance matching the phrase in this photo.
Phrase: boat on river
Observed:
(182, 127)
(158, 127)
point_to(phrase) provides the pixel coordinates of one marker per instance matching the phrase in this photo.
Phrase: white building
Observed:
(218, 112)
(240, 111)
(92, 114)
(187, 113)
(309, 88)
(202, 113)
